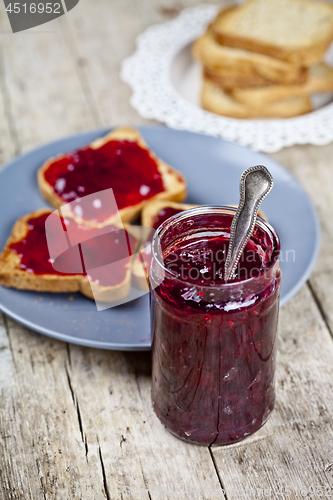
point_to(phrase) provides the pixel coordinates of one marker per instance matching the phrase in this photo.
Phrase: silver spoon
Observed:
(255, 184)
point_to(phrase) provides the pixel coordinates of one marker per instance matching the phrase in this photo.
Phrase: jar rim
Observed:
(206, 209)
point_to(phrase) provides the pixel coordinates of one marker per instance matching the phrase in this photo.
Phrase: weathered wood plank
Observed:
(139, 455)
(42, 88)
(105, 34)
(290, 456)
(19, 475)
(53, 443)
(8, 137)
(313, 167)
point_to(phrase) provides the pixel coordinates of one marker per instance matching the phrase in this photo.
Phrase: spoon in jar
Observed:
(255, 184)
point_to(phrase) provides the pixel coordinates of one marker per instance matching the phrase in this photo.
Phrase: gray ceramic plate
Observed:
(213, 168)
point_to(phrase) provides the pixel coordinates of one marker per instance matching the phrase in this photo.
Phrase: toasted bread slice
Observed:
(298, 31)
(215, 99)
(320, 80)
(35, 270)
(156, 212)
(240, 68)
(122, 161)
(230, 79)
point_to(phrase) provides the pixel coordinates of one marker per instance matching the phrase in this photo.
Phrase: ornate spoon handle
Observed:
(255, 184)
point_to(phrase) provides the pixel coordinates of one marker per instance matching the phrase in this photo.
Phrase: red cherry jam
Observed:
(95, 251)
(164, 214)
(160, 217)
(214, 343)
(201, 261)
(124, 166)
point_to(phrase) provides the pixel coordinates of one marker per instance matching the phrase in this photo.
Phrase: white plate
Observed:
(166, 87)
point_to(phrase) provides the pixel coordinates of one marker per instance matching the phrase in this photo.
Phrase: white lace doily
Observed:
(160, 64)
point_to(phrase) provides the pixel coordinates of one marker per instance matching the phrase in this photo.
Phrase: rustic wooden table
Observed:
(77, 423)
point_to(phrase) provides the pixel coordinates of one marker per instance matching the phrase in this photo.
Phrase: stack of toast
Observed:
(265, 58)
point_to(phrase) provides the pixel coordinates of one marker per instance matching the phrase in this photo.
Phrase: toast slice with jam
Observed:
(47, 252)
(152, 216)
(120, 161)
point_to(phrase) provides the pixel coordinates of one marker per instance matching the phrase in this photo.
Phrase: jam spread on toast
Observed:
(102, 258)
(124, 166)
(160, 217)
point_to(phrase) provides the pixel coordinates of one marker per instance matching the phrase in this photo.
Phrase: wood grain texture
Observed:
(313, 168)
(105, 33)
(19, 476)
(8, 138)
(77, 422)
(98, 48)
(43, 92)
(54, 439)
(139, 456)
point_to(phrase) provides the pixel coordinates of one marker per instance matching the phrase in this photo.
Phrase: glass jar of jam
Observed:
(214, 342)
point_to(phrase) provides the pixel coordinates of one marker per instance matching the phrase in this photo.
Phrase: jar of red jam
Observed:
(214, 342)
